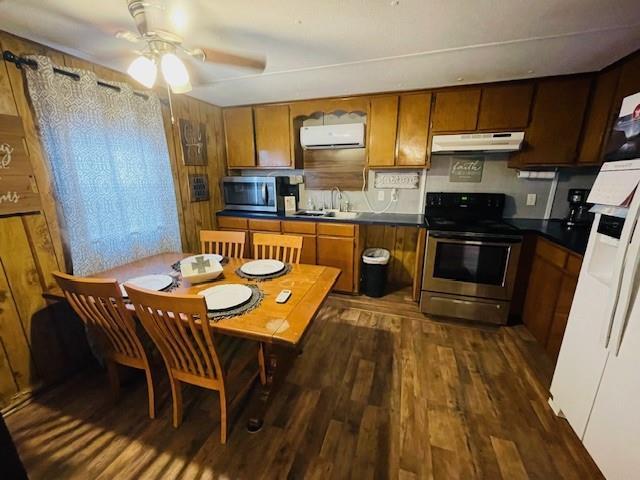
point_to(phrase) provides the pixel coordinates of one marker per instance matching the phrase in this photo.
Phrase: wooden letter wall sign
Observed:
(17, 193)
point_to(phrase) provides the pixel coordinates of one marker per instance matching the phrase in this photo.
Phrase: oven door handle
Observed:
(475, 242)
(265, 194)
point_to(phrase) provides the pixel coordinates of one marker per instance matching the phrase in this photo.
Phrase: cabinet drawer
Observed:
(299, 227)
(337, 229)
(264, 225)
(469, 308)
(551, 253)
(232, 222)
(574, 262)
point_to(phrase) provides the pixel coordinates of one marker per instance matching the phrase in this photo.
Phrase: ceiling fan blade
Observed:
(127, 35)
(211, 55)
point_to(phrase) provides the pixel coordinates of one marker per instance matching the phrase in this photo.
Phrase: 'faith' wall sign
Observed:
(17, 186)
(466, 169)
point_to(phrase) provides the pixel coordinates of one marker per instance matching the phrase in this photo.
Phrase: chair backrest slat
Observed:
(286, 248)
(228, 244)
(99, 304)
(180, 328)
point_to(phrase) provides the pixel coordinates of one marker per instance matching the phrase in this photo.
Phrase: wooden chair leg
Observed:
(150, 393)
(114, 379)
(176, 394)
(261, 367)
(224, 426)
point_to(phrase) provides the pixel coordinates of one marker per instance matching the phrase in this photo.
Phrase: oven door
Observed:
(475, 267)
(254, 194)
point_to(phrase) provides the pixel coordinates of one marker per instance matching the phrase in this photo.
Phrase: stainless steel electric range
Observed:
(471, 257)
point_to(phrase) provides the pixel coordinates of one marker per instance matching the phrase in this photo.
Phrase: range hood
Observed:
(477, 143)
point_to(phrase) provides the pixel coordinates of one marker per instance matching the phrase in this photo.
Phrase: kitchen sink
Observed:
(345, 215)
(327, 214)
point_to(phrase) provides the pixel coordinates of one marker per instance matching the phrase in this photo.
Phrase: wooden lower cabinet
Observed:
(326, 243)
(552, 284)
(309, 248)
(338, 252)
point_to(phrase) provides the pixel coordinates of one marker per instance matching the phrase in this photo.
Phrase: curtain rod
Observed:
(20, 62)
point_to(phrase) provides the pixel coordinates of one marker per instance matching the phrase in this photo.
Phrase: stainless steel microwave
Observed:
(257, 194)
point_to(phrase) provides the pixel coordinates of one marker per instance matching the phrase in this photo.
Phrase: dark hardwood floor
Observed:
(379, 392)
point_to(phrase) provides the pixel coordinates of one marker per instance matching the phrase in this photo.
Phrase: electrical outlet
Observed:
(531, 199)
(380, 195)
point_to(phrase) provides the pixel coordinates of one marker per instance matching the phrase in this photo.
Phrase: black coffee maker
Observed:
(579, 215)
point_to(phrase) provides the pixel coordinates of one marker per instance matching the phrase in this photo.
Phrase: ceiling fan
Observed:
(162, 46)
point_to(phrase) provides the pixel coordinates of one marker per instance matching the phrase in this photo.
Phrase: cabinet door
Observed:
(273, 136)
(238, 130)
(383, 124)
(338, 252)
(561, 315)
(505, 106)
(413, 129)
(456, 110)
(556, 122)
(542, 295)
(599, 118)
(309, 247)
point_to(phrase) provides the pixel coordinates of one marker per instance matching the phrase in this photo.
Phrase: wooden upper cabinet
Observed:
(414, 113)
(629, 79)
(599, 118)
(456, 110)
(383, 126)
(556, 122)
(505, 106)
(238, 130)
(272, 127)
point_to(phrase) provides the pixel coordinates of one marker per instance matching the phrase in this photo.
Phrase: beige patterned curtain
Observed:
(109, 163)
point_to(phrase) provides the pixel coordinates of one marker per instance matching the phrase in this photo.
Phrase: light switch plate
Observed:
(380, 195)
(531, 199)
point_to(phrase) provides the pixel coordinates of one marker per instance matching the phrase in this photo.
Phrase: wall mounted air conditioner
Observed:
(477, 143)
(348, 135)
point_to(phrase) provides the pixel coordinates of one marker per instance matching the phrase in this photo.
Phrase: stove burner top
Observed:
(468, 214)
(473, 226)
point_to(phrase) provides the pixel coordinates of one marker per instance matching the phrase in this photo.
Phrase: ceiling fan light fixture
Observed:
(175, 73)
(144, 71)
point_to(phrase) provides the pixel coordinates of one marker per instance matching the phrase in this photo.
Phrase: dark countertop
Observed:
(574, 240)
(400, 219)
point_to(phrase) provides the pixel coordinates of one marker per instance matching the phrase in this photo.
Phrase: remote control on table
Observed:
(283, 296)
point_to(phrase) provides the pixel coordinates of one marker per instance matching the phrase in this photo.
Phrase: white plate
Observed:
(150, 282)
(262, 267)
(224, 297)
(207, 256)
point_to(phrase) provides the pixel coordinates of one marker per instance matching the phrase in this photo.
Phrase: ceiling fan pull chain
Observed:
(173, 122)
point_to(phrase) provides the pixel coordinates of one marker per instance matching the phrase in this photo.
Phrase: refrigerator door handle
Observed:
(614, 294)
(626, 297)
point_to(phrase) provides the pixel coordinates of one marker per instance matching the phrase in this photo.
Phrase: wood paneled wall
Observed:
(41, 343)
(401, 242)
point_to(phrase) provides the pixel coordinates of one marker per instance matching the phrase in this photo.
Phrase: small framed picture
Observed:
(193, 137)
(199, 187)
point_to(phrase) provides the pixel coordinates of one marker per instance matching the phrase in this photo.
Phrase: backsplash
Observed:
(497, 177)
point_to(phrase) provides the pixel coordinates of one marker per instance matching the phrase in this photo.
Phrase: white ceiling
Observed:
(338, 47)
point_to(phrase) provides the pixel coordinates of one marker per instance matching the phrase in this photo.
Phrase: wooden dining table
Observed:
(280, 327)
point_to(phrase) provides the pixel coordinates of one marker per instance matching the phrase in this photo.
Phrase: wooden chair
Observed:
(286, 248)
(191, 351)
(99, 304)
(228, 244)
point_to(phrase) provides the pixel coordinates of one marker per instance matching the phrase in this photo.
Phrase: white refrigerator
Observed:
(596, 384)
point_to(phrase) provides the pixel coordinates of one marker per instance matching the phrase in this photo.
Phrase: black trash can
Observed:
(373, 272)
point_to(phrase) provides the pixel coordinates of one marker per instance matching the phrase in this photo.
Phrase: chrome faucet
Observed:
(336, 189)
